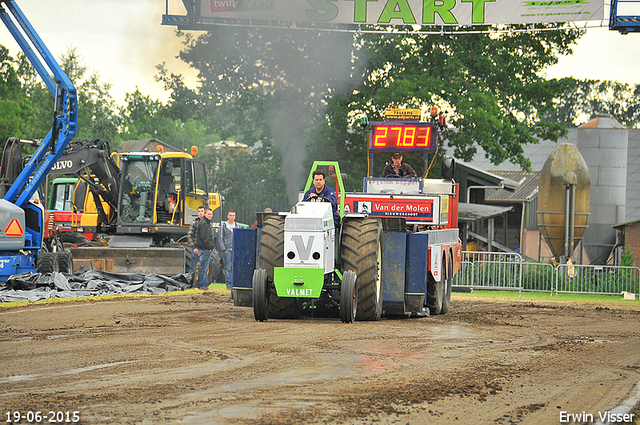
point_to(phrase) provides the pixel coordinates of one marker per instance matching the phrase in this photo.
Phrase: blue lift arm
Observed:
(65, 117)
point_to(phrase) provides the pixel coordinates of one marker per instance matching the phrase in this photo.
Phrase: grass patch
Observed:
(545, 297)
(219, 288)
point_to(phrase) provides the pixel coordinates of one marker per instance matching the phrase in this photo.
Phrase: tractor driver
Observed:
(321, 192)
(397, 168)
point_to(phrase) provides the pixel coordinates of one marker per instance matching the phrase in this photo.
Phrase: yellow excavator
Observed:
(131, 211)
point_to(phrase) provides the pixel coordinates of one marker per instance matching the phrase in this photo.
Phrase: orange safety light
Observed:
(14, 229)
(159, 149)
(194, 150)
(434, 111)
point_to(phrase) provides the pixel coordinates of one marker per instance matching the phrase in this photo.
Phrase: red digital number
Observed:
(424, 136)
(407, 137)
(380, 136)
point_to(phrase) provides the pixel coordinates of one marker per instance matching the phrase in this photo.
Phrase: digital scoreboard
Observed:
(402, 136)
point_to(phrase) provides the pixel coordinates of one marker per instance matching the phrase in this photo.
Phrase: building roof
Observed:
(140, 145)
(468, 213)
(537, 154)
(486, 177)
(526, 190)
(603, 121)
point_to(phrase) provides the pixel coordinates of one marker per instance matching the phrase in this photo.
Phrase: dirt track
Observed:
(197, 359)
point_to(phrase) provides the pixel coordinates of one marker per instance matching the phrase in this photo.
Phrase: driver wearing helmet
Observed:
(321, 192)
(398, 169)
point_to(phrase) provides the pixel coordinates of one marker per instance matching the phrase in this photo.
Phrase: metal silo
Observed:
(603, 143)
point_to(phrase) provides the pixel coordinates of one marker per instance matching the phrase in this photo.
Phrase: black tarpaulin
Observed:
(85, 283)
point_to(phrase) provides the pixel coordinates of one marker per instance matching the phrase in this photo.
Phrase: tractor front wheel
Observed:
(260, 286)
(348, 297)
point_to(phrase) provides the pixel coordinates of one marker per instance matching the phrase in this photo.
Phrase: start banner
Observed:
(404, 12)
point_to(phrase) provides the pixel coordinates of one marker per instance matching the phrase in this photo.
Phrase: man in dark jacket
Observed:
(191, 237)
(398, 169)
(320, 191)
(204, 244)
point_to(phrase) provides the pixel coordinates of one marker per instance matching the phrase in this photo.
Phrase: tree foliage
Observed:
(249, 180)
(490, 85)
(296, 96)
(582, 99)
(28, 104)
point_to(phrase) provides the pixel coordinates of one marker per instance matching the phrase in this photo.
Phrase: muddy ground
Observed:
(197, 359)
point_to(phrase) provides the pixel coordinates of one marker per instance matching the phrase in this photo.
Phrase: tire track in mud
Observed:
(199, 360)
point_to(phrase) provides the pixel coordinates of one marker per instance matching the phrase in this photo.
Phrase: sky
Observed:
(123, 41)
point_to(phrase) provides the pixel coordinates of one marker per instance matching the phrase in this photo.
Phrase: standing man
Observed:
(191, 237)
(225, 242)
(204, 244)
(398, 169)
(320, 191)
(255, 223)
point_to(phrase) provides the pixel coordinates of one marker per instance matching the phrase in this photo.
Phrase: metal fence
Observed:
(509, 271)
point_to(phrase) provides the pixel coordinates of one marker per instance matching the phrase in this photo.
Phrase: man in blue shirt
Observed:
(321, 192)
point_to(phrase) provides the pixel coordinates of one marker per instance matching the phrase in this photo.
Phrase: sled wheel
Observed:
(435, 295)
(446, 301)
(348, 297)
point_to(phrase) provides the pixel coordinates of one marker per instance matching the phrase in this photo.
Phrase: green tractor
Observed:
(307, 262)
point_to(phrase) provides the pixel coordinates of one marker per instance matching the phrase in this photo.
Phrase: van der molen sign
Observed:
(405, 12)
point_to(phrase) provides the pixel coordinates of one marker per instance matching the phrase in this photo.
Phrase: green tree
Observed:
(32, 102)
(490, 84)
(268, 85)
(250, 181)
(582, 99)
(14, 105)
(144, 118)
(97, 116)
(270, 80)
(139, 117)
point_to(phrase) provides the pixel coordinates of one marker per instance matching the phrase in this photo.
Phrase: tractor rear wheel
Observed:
(361, 251)
(47, 262)
(271, 256)
(348, 297)
(216, 268)
(260, 286)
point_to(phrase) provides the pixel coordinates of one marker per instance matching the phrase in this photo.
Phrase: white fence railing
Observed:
(508, 271)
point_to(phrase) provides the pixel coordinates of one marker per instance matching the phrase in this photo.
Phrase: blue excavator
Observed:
(26, 244)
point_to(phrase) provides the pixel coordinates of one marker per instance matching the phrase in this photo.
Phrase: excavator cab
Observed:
(161, 192)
